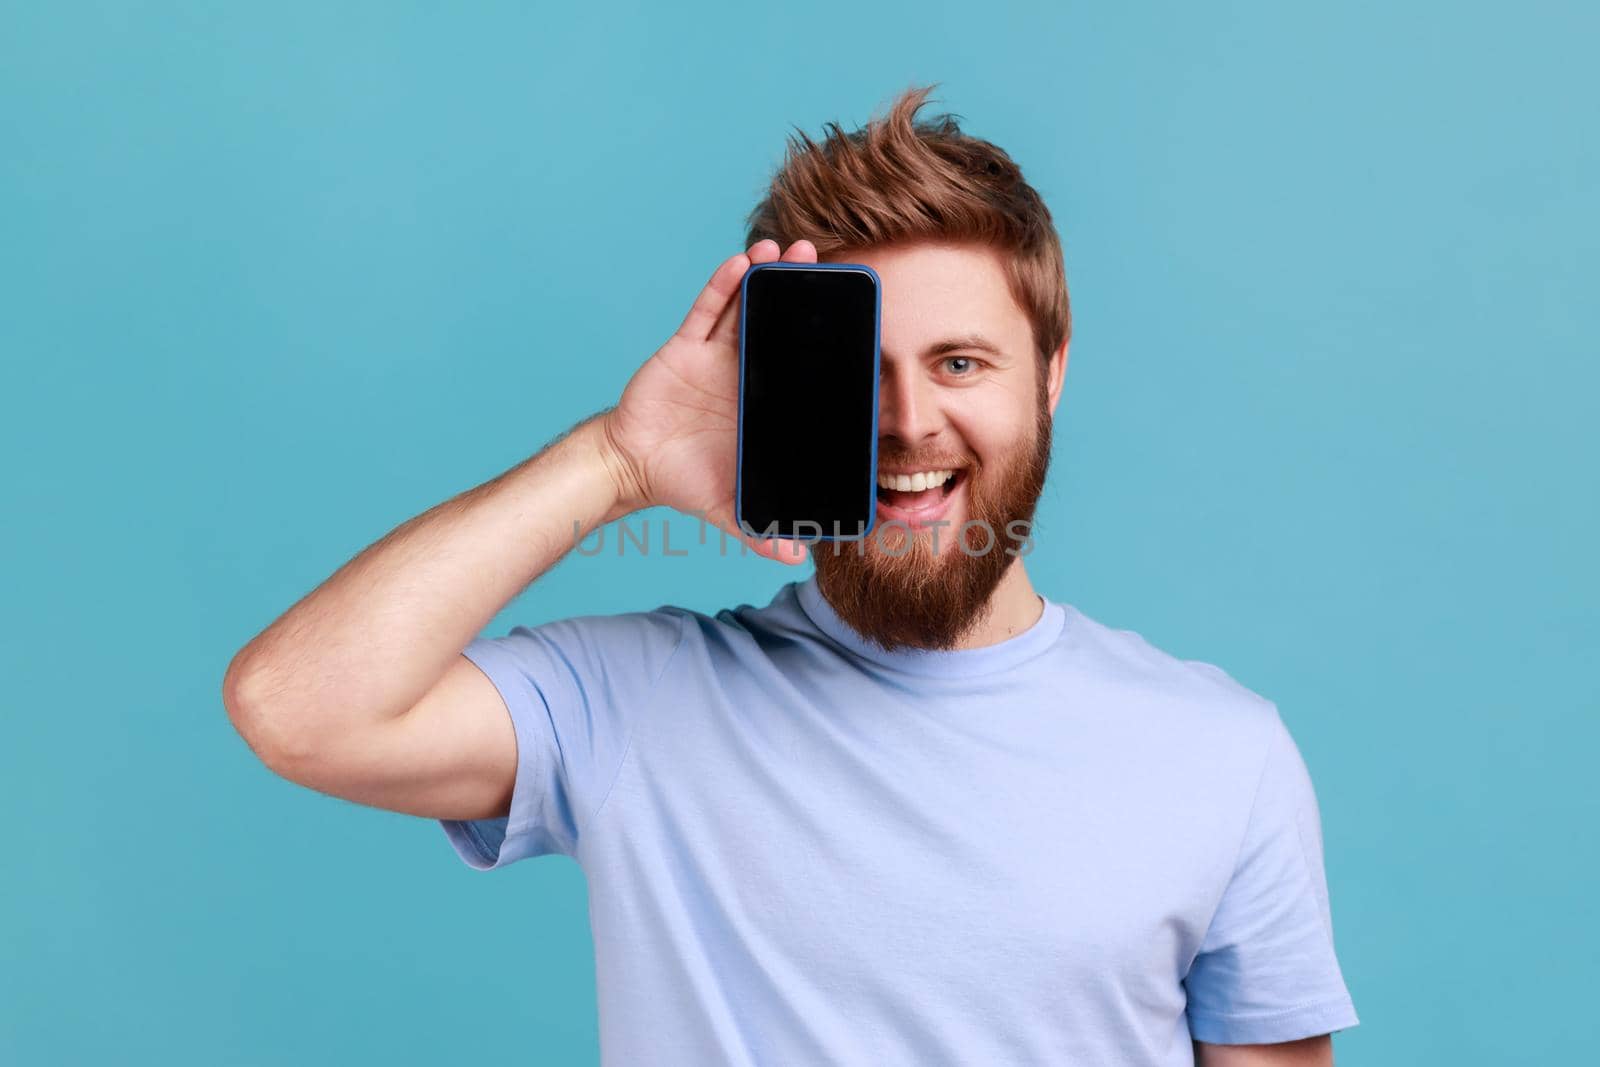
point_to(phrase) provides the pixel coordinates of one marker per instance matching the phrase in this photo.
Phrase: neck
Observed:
(1013, 607)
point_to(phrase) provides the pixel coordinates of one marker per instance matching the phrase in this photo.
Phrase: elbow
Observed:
(247, 698)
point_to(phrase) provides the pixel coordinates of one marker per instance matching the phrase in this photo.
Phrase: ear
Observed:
(1055, 371)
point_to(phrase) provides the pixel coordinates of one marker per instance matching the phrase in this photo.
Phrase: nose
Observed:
(907, 410)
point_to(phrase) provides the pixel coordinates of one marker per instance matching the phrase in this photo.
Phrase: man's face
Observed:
(963, 391)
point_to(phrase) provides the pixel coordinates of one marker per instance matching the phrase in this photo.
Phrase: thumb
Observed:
(787, 550)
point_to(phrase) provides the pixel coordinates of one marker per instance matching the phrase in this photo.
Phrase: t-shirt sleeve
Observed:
(573, 689)
(1266, 970)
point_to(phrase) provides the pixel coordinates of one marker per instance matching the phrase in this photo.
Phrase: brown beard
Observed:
(897, 597)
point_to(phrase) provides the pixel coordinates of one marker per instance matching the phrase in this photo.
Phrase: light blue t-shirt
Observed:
(1066, 848)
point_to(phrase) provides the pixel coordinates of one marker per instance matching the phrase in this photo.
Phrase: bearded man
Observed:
(910, 811)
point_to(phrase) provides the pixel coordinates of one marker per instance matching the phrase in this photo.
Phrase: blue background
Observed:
(275, 280)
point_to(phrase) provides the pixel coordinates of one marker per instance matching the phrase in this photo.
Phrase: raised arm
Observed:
(360, 690)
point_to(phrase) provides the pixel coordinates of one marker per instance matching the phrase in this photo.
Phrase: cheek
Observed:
(994, 422)
(996, 444)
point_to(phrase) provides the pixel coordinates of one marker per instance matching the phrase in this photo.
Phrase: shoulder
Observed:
(744, 639)
(1187, 695)
(672, 625)
(742, 625)
(665, 624)
(615, 645)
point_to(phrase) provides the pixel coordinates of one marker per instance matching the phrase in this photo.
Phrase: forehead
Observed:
(932, 291)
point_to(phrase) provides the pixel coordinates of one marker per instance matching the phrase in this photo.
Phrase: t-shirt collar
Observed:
(959, 662)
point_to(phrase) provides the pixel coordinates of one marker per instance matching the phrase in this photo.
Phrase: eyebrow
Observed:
(962, 343)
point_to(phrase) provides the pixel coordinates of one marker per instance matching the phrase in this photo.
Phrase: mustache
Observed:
(923, 461)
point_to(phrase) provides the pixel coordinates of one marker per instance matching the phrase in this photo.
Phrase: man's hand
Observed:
(673, 436)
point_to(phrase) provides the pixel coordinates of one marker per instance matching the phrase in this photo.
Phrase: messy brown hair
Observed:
(899, 179)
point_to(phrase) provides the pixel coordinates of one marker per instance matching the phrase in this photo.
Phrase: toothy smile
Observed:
(914, 483)
(918, 497)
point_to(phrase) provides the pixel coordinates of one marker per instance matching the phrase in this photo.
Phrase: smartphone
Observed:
(808, 400)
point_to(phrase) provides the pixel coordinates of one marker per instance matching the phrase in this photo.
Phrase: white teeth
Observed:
(915, 483)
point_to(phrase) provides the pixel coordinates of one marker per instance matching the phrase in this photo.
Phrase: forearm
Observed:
(1308, 1052)
(370, 641)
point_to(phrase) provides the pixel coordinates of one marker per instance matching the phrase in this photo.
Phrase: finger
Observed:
(727, 327)
(802, 251)
(763, 251)
(793, 553)
(717, 297)
(714, 298)
(782, 550)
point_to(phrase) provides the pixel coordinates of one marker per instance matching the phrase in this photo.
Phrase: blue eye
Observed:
(961, 365)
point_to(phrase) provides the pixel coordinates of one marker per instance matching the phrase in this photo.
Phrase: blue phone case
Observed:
(877, 326)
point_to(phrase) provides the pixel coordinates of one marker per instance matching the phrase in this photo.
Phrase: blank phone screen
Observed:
(808, 408)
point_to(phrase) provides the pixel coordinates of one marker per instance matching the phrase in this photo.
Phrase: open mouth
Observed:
(918, 491)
